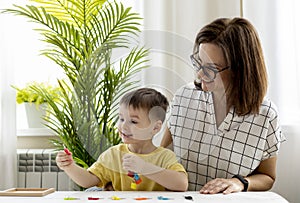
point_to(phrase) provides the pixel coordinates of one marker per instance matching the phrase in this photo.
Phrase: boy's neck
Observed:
(145, 148)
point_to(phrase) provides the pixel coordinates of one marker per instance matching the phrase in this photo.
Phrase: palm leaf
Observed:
(109, 23)
(81, 36)
(76, 12)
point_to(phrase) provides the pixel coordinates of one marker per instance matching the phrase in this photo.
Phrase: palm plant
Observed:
(82, 36)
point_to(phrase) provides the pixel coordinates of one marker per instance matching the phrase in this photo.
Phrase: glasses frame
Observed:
(197, 65)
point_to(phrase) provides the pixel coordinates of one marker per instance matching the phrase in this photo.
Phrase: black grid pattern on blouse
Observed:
(206, 152)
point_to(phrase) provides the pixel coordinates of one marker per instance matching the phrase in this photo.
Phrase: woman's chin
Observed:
(204, 86)
(207, 86)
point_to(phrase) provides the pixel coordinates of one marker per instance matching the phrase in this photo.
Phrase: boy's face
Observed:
(134, 125)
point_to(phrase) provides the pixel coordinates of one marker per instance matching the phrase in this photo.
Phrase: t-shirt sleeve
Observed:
(172, 163)
(274, 137)
(99, 170)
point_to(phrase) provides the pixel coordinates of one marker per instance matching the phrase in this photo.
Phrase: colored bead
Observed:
(163, 198)
(138, 181)
(133, 186)
(115, 198)
(71, 198)
(141, 198)
(130, 174)
(93, 198)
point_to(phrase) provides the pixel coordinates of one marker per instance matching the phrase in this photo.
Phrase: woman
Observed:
(224, 130)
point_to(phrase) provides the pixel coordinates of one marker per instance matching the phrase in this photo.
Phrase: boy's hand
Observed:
(133, 163)
(63, 160)
(136, 164)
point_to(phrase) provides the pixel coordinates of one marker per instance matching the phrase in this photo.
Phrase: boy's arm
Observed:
(79, 175)
(170, 179)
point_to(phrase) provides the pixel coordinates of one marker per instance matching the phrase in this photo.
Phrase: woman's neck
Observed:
(220, 106)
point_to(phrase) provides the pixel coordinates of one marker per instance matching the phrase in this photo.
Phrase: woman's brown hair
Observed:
(241, 46)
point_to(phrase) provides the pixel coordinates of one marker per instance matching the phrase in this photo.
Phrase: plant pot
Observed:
(35, 115)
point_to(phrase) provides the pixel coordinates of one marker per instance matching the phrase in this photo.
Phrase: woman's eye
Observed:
(121, 119)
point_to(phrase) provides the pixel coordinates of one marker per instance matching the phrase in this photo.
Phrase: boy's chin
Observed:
(126, 139)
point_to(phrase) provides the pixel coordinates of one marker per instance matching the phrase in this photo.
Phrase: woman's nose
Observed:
(200, 74)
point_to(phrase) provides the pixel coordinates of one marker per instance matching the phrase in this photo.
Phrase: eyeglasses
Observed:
(210, 72)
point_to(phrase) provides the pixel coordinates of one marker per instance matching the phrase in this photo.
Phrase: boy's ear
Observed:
(157, 126)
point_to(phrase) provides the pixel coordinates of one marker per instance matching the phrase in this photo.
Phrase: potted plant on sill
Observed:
(35, 104)
(82, 38)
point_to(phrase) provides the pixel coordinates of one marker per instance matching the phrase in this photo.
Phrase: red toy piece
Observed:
(67, 151)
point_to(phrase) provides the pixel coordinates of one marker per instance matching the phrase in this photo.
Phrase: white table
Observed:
(128, 197)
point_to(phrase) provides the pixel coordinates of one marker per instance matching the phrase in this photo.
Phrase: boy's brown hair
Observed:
(148, 99)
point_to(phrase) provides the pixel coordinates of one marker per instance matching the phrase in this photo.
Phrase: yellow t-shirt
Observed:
(108, 168)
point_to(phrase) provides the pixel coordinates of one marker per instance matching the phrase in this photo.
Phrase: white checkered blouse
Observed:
(236, 147)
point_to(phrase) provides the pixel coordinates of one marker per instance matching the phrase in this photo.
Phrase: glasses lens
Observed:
(209, 74)
(195, 63)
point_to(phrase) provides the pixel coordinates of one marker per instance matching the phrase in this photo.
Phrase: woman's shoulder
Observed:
(268, 108)
(185, 87)
(189, 90)
(165, 151)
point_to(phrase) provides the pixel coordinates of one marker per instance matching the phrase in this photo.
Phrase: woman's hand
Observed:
(63, 160)
(225, 186)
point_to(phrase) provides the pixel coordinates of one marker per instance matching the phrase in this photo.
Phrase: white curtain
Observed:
(278, 23)
(170, 27)
(8, 139)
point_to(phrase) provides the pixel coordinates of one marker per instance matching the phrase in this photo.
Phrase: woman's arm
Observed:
(79, 175)
(264, 175)
(167, 138)
(261, 179)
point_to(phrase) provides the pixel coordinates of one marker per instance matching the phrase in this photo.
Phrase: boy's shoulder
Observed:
(165, 151)
(119, 147)
(113, 152)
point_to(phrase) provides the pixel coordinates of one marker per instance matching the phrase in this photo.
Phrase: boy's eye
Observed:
(134, 122)
(121, 119)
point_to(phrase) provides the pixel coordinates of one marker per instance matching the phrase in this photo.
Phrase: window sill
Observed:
(35, 132)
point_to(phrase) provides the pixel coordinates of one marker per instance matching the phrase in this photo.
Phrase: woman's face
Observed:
(212, 57)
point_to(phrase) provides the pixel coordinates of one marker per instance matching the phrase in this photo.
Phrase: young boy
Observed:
(136, 164)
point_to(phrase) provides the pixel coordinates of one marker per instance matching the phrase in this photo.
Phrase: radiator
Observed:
(37, 169)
